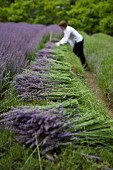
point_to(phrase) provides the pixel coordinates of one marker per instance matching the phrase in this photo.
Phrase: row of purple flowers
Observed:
(17, 40)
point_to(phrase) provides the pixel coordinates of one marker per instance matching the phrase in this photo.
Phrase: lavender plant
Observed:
(16, 43)
(18, 40)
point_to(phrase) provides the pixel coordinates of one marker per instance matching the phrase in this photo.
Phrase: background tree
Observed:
(52, 11)
(90, 16)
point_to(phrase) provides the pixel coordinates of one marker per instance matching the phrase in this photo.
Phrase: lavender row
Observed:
(17, 41)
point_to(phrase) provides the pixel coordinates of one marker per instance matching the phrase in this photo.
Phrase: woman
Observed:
(75, 39)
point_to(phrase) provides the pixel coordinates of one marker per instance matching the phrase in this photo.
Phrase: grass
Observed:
(14, 156)
(99, 57)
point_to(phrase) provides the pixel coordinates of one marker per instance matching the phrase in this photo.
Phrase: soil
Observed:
(97, 92)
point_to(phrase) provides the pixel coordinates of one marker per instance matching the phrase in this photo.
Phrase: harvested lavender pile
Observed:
(46, 78)
(51, 128)
(32, 86)
(46, 128)
(46, 52)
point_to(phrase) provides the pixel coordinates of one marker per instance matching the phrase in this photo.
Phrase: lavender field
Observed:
(49, 117)
(17, 41)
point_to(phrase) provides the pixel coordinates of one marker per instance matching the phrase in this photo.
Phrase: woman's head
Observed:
(63, 24)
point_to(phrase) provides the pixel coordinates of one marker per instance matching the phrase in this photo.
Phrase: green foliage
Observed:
(3, 14)
(90, 16)
(13, 155)
(5, 3)
(51, 12)
(20, 11)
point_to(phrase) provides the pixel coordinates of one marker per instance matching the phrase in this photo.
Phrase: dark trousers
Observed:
(78, 50)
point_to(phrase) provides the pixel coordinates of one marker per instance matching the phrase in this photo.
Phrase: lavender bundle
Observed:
(46, 52)
(31, 85)
(51, 128)
(47, 128)
(50, 45)
(36, 86)
(49, 64)
(42, 80)
(41, 64)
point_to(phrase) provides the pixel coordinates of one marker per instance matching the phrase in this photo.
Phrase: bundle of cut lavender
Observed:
(51, 128)
(44, 78)
(47, 128)
(46, 52)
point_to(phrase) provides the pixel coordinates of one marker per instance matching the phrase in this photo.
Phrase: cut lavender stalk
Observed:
(43, 79)
(45, 126)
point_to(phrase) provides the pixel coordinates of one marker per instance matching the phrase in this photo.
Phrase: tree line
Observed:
(91, 16)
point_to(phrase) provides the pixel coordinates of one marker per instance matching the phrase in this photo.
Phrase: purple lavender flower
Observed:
(32, 125)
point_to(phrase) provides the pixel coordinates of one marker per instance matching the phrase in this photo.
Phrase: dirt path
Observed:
(97, 92)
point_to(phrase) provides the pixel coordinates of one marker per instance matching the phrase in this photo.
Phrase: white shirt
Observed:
(71, 36)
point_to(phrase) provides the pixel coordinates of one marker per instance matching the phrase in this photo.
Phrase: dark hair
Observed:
(63, 24)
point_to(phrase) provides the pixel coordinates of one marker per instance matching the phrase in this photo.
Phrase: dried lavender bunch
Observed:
(49, 128)
(46, 52)
(36, 86)
(50, 44)
(38, 82)
(32, 85)
(41, 64)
